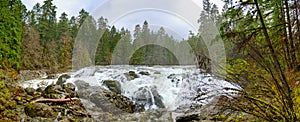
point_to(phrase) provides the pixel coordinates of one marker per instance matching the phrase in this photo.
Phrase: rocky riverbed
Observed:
(75, 97)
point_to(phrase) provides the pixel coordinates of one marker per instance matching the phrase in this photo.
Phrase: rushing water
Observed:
(173, 85)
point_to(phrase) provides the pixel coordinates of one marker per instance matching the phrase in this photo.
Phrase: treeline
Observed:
(36, 39)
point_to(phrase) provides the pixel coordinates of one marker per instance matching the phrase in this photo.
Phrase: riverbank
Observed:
(65, 98)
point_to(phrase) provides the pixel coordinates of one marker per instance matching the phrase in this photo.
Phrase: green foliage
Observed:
(263, 62)
(238, 66)
(10, 34)
(31, 49)
(156, 55)
(296, 99)
(146, 54)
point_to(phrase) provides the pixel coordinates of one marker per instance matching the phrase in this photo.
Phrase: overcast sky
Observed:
(176, 16)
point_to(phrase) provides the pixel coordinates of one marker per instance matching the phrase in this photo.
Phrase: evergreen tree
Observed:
(47, 22)
(124, 49)
(73, 27)
(63, 25)
(11, 33)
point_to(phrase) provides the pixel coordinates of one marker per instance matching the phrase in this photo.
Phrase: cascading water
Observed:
(155, 87)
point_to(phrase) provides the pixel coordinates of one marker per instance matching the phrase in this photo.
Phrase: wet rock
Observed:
(148, 96)
(107, 101)
(120, 101)
(40, 89)
(53, 92)
(131, 75)
(69, 86)
(139, 107)
(38, 110)
(144, 73)
(53, 89)
(189, 117)
(62, 79)
(112, 102)
(85, 93)
(157, 72)
(113, 85)
(82, 84)
(171, 76)
(84, 90)
(30, 91)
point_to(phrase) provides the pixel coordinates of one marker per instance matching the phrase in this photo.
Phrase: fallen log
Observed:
(55, 100)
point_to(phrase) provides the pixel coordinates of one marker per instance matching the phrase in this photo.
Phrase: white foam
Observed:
(178, 89)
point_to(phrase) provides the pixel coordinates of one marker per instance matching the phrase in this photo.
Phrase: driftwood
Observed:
(55, 100)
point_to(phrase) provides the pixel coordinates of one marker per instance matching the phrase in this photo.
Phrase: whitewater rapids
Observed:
(176, 85)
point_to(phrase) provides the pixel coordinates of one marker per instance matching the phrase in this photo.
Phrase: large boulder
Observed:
(148, 96)
(62, 79)
(113, 85)
(112, 102)
(131, 75)
(190, 117)
(107, 101)
(80, 84)
(38, 110)
(55, 91)
(144, 73)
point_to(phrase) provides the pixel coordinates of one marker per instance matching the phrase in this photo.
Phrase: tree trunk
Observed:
(290, 34)
(287, 99)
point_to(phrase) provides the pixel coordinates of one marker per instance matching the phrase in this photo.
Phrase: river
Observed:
(155, 87)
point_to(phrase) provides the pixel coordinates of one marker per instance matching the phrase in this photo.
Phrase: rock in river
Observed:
(62, 79)
(113, 85)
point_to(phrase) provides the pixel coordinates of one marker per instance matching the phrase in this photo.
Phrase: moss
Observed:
(5, 96)
(2, 85)
(296, 99)
(38, 110)
(4, 91)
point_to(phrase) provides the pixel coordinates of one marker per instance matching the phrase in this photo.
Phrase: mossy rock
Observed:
(39, 110)
(5, 96)
(4, 89)
(131, 75)
(62, 79)
(120, 101)
(113, 85)
(144, 73)
(112, 102)
(30, 91)
(52, 89)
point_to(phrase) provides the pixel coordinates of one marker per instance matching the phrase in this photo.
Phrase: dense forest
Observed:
(262, 41)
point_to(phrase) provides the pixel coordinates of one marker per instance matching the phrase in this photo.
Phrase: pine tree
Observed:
(11, 33)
